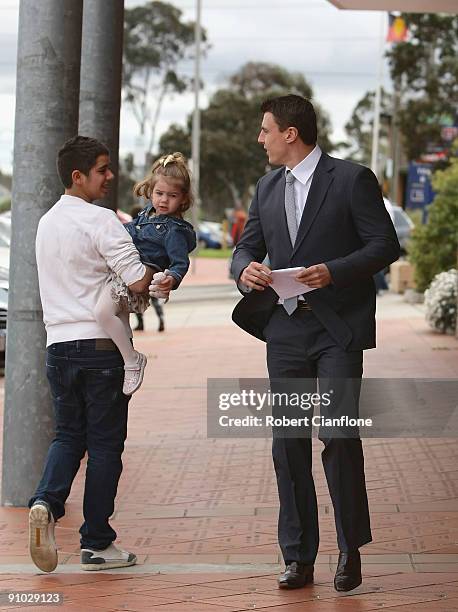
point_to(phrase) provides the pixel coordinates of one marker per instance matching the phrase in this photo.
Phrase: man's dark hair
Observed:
(294, 111)
(78, 153)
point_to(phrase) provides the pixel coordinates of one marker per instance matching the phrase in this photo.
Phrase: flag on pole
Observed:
(397, 29)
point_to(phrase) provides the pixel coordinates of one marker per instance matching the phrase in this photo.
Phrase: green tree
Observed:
(360, 128)
(6, 180)
(156, 40)
(433, 247)
(231, 159)
(425, 69)
(126, 182)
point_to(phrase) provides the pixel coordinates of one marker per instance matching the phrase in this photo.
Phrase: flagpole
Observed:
(378, 99)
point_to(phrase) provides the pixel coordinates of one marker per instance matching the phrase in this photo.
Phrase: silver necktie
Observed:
(290, 304)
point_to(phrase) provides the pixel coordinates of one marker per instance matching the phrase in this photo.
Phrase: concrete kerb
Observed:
(199, 293)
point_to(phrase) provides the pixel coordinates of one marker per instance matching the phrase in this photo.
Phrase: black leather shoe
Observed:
(295, 576)
(348, 573)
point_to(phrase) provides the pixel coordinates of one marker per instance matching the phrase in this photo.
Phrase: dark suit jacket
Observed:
(345, 225)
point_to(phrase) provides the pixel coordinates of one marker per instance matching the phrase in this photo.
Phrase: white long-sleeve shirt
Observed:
(77, 246)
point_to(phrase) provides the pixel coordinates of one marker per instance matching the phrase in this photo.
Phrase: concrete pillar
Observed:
(47, 90)
(101, 76)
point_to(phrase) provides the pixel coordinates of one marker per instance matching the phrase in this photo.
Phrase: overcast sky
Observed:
(336, 51)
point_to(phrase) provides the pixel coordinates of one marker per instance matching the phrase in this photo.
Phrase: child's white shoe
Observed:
(133, 375)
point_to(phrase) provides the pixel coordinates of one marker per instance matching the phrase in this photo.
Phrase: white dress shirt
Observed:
(303, 173)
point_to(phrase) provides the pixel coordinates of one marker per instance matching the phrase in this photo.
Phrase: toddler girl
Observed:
(164, 240)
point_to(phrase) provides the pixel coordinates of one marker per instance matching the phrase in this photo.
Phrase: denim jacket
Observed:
(163, 241)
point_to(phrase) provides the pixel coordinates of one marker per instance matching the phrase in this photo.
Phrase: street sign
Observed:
(419, 191)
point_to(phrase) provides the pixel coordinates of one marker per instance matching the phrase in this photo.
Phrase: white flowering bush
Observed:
(440, 302)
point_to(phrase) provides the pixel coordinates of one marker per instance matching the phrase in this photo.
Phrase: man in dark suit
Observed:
(327, 216)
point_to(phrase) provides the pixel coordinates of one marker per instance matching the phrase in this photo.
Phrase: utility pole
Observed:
(101, 77)
(395, 142)
(377, 101)
(195, 141)
(47, 91)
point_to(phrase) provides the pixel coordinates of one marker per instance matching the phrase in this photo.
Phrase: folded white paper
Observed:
(285, 284)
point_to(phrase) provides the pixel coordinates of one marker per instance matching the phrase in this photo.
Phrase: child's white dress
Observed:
(128, 301)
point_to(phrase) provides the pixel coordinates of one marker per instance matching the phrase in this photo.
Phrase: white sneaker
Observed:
(133, 375)
(42, 544)
(110, 558)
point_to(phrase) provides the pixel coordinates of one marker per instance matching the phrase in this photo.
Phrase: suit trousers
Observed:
(299, 347)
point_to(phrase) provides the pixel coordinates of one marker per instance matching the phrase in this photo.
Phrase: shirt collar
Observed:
(69, 199)
(304, 169)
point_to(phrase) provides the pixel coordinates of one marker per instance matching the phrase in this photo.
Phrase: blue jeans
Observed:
(86, 378)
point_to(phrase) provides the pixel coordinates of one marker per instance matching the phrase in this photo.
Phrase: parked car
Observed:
(208, 238)
(210, 235)
(403, 225)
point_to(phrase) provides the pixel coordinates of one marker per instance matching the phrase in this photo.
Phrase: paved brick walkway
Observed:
(201, 513)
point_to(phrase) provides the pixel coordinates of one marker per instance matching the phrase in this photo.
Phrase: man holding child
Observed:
(78, 247)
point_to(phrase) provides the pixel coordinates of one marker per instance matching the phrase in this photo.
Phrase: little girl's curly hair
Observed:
(172, 167)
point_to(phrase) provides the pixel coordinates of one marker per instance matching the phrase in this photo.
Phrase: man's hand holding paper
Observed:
(256, 276)
(285, 283)
(316, 277)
